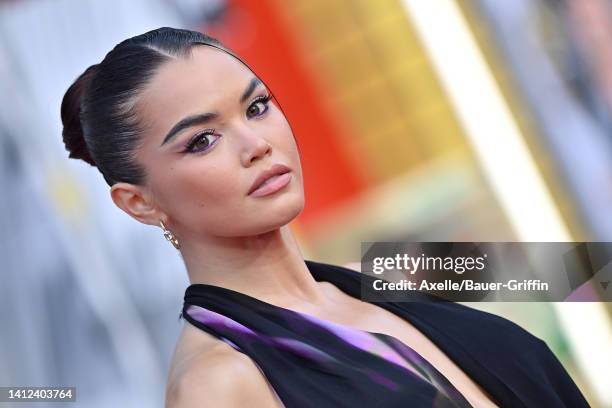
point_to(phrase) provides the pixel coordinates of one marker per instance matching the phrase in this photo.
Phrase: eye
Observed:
(202, 141)
(259, 106)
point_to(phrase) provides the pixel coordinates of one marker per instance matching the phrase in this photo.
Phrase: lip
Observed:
(275, 170)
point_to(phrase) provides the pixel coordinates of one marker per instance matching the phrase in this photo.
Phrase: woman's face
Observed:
(200, 172)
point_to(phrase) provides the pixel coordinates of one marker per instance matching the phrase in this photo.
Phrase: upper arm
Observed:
(223, 379)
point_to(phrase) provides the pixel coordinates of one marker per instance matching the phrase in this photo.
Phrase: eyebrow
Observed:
(203, 118)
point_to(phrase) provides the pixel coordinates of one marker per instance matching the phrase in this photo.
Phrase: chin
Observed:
(284, 216)
(276, 219)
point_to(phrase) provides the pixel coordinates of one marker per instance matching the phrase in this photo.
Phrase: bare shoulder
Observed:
(205, 371)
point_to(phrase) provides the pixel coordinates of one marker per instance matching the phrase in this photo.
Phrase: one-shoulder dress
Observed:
(311, 362)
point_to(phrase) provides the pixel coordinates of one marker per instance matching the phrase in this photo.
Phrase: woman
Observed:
(187, 137)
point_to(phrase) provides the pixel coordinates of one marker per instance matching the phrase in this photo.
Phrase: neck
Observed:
(269, 267)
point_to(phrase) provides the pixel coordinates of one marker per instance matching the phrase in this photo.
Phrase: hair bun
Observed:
(71, 111)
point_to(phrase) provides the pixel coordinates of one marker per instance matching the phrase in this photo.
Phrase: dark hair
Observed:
(100, 123)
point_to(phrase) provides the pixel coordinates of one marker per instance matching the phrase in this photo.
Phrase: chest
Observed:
(373, 318)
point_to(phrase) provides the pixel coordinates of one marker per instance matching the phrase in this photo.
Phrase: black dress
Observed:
(312, 362)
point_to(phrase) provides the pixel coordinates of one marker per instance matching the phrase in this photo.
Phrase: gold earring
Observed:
(169, 235)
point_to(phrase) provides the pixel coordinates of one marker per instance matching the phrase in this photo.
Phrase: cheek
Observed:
(196, 192)
(283, 135)
(212, 188)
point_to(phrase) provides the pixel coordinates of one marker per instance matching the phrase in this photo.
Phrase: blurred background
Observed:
(439, 120)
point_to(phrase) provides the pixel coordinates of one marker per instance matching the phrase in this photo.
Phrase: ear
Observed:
(136, 202)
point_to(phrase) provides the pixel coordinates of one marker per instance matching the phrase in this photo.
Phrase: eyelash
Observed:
(211, 132)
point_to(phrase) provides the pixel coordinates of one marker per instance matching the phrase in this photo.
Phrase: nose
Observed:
(254, 147)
